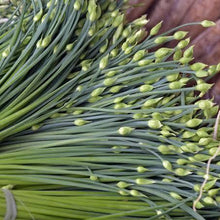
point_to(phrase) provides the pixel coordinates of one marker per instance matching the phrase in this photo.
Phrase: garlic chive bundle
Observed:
(95, 123)
(99, 157)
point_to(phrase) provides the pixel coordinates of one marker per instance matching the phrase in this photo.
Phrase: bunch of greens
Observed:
(95, 123)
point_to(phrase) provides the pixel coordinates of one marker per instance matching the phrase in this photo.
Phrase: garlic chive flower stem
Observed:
(96, 117)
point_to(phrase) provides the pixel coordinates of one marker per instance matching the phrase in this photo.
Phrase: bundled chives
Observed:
(97, 124)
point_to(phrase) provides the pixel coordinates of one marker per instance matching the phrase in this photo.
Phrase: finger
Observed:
(137, 8)
(206, 44)
(159, 13)
(201, 10)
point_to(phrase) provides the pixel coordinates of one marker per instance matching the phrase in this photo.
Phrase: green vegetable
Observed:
(95, 123)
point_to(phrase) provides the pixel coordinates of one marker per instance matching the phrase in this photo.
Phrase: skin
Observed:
(159, 12)
(201, 10)
(137, 8)
(214, 92)
(207, 45)
(205, 40)
(176, 12)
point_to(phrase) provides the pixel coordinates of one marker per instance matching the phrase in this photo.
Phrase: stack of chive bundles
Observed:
(97, 124)
(6, 9)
